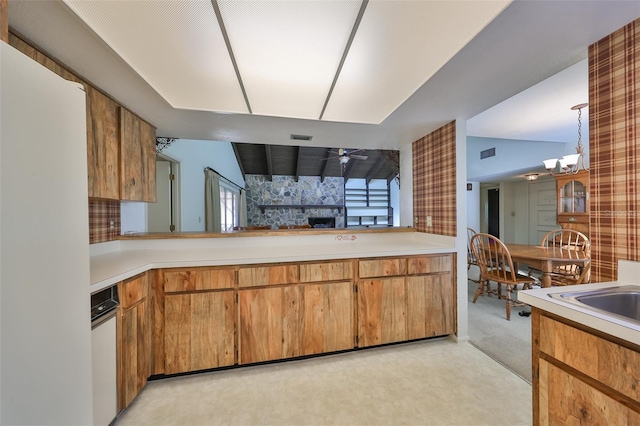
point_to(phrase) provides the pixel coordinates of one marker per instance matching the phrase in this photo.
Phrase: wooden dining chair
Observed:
(497, 265)
(471, 258)
(571, 241)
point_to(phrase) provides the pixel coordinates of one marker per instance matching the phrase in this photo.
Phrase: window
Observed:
(229, 208)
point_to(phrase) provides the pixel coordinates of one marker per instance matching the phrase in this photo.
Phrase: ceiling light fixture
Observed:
(531, 176)
(572, 163)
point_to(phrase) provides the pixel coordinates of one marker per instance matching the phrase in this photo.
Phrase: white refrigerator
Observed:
(45, 331)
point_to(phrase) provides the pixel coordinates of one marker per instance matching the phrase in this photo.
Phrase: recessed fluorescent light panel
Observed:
(288, 52)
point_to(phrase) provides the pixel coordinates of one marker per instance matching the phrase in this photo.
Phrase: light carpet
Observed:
(508, 342)
(434, 382)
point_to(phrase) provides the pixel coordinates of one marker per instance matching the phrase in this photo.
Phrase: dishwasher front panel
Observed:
(103, 348)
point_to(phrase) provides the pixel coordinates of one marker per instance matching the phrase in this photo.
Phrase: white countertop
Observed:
(628, 274)
(118, 260)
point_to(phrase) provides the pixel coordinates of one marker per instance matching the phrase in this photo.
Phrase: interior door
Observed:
(160, 214)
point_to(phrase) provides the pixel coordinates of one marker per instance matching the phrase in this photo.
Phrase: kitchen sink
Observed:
(620, 301)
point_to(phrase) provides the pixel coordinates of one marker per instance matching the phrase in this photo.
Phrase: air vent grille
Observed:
(301, 137)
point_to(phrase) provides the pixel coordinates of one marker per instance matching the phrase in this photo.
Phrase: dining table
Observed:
(546, 259)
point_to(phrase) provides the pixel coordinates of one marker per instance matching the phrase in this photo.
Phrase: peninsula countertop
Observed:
(118, 260)
(628, 273)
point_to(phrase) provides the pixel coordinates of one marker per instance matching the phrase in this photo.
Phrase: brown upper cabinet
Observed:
(137, 158)
(102, 145)
(121, 157)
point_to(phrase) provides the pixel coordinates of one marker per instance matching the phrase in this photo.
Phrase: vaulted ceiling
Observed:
(287, 160)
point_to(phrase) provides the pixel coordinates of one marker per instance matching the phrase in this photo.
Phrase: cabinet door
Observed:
(269, 323)
(138, 161)
(381, 311)
(133, 352)
(199, 331)
(429, 306)
(567, 400)
(103, 160)
(327, 317)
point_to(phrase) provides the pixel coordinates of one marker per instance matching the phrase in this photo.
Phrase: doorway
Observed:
(163, 215)
(493, 216)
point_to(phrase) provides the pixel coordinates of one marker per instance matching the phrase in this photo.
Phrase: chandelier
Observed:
(573, 163)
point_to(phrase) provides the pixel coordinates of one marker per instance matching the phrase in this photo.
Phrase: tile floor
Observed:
(434, 382)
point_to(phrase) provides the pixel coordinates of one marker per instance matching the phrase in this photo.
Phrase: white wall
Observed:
(406, 185)
(193, 156)
(473, 206)
(512, 156)
(461, 237)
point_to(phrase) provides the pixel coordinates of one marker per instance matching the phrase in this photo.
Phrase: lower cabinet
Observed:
(199, 317)
(294, 320)
(132, 339)
(430, 306)
(202, 318)
(199, 331)
(414, 299)
(582, 376)
(382, 311)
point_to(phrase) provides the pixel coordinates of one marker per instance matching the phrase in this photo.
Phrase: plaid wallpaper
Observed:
(614, 150)
(101, 214)
(434, 181)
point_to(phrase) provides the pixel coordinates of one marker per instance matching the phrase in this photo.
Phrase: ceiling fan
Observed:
(344, 155)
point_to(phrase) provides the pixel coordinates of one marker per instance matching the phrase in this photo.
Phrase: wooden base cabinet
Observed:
(133, 342)
(429, 306)
(199, 331)
(582, 376)
(412, 298)
(382, 311)
(199, 319)
(294, 310)
(295, 320)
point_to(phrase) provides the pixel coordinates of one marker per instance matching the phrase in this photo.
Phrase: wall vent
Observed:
(491, 152)
(301, 137)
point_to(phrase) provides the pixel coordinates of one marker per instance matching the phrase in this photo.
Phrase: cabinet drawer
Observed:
(329, 271)
(267, 275)
(382, 267)
(198, 279)
(132, 290)
(429, 264)
(561, 340)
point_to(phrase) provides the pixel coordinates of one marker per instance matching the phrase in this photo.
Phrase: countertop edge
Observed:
(540, 298)
(122, 262)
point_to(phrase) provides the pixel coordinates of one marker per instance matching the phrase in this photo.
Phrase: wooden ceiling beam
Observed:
(349, 169)
(376, 167)
(267, 151)
(327, 158)
(298, 163)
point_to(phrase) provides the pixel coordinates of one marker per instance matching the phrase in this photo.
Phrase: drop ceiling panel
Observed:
(176, 46)
(398, 47)
(288, 51)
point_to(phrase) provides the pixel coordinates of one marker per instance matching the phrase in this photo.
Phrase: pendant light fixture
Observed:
(573, 163)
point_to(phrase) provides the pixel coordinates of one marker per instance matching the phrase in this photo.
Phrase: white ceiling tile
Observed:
(288, 51)
(398, 47)
(176, 46)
